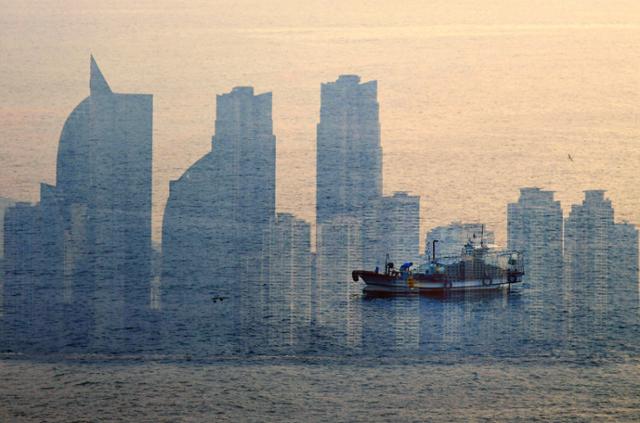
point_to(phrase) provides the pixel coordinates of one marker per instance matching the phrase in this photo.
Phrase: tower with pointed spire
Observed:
(96, 219)
(97, 83)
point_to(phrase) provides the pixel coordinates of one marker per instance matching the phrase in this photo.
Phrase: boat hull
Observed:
(376, 282)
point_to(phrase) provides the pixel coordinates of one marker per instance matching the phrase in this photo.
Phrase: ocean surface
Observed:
(523, 355)
(324, 390)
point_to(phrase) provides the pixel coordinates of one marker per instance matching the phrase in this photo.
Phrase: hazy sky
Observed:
(477, 98)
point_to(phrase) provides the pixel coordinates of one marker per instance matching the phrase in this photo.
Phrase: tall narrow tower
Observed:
(349, 155)
(104, 179)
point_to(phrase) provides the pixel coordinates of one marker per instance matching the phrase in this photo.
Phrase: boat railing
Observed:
(492, 263)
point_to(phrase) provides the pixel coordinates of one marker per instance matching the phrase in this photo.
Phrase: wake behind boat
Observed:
(477, 268)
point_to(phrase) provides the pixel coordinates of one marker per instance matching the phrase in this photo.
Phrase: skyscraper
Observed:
(219, 208)
(349, 162)
(601, 258)
(534, 226)
(588, 229)
(349, 155)
(103, 193)
(95, 223)
(104, 178)
(624, 252)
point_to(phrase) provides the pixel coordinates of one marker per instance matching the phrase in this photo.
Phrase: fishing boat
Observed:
(476, 268)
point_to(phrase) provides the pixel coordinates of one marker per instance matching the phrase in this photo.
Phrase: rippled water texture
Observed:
(301, 390)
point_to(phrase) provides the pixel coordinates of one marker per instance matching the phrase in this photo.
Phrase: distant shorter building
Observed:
(624, 252)
(339, 253)
(452, 238)
(286, 276)
(4, 204)
(339, 249)
(23, 254)
(399, 227)
(601, 257)
(22, 247)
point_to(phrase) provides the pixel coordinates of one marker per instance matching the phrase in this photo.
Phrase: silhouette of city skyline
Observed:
(240, 275)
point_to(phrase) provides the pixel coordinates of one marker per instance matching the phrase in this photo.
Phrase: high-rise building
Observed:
(624, 252)
(95, 223)
(349, 159)
(217, 214)
(534, 226)
(623, 267)
(349, 155)
(220, 207)
(588, 229)
(22, 247)
(452, 238)
(601, 258)
(104, 178)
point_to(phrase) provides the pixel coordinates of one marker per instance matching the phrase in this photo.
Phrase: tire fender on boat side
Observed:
(513, 278)
(355, 275)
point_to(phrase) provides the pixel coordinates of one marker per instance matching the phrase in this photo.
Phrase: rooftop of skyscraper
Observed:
(243, 89)
(594, 195)
(349, 79)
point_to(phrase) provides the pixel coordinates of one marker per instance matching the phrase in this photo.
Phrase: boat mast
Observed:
(433, 250)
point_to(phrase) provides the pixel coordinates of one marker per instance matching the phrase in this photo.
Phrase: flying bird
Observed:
(218, 298)
(569, 156)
